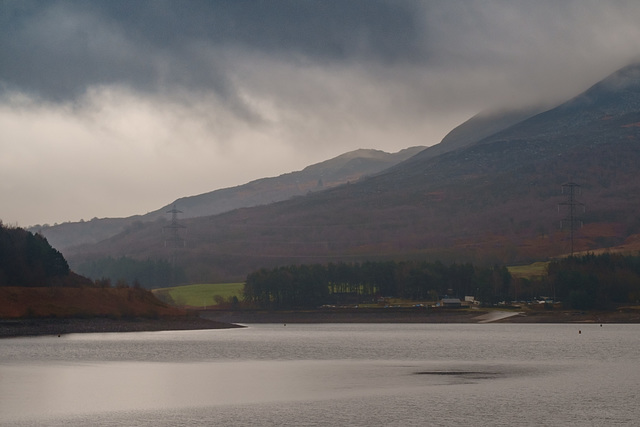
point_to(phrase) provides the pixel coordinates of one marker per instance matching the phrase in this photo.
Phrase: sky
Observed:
(111, 108)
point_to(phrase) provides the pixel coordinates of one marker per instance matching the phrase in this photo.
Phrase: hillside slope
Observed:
(478, 127)
(348, 167)
(495, 200)
(35, 282)
(84, 302)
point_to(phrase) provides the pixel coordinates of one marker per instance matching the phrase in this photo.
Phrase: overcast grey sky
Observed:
(114, 108)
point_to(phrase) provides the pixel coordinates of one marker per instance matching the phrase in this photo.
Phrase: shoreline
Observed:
(225, 319)
(422, 315)
(14, 328)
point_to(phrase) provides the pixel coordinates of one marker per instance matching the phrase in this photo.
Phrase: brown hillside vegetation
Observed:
(83, 302)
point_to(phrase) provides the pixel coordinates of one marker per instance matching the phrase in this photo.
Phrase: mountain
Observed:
(348, 167)
(496, 199)
(480, 126)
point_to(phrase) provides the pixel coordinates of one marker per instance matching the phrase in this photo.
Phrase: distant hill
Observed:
(36, 282)
(348, 167)
(495, 199)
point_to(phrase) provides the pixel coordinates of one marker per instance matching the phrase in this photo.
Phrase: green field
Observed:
(536, 269)
(201, 295)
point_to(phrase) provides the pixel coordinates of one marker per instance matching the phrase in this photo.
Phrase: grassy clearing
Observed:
(536, 269)
(200, 295)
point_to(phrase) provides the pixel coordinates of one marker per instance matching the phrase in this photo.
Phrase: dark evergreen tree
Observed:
(27, 259)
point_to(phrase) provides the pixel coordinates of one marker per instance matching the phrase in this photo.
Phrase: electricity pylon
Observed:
(174, 241)
(572, 188)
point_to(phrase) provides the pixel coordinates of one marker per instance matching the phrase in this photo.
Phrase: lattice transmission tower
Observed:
(174, 239)
(572, 220)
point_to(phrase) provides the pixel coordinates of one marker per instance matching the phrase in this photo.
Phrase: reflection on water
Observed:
(326, 375)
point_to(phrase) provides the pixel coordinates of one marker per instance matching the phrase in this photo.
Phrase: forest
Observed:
(27, 259)
(308, 286)
(586, 282)
(596, 281)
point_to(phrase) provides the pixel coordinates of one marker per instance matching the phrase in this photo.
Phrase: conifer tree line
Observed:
(596, 281)
(584, 282)
(27, 259)
(308, 286)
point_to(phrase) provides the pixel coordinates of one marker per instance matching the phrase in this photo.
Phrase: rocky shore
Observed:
(52, 326)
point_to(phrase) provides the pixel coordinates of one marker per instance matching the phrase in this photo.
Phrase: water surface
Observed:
(329, 374)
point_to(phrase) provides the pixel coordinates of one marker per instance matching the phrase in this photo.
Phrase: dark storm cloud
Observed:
(331, 29)
(58, 49)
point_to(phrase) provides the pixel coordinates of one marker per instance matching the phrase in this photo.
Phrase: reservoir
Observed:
(327, 375)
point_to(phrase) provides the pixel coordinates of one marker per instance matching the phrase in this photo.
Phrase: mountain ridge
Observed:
(346, 167)
(491, 201)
